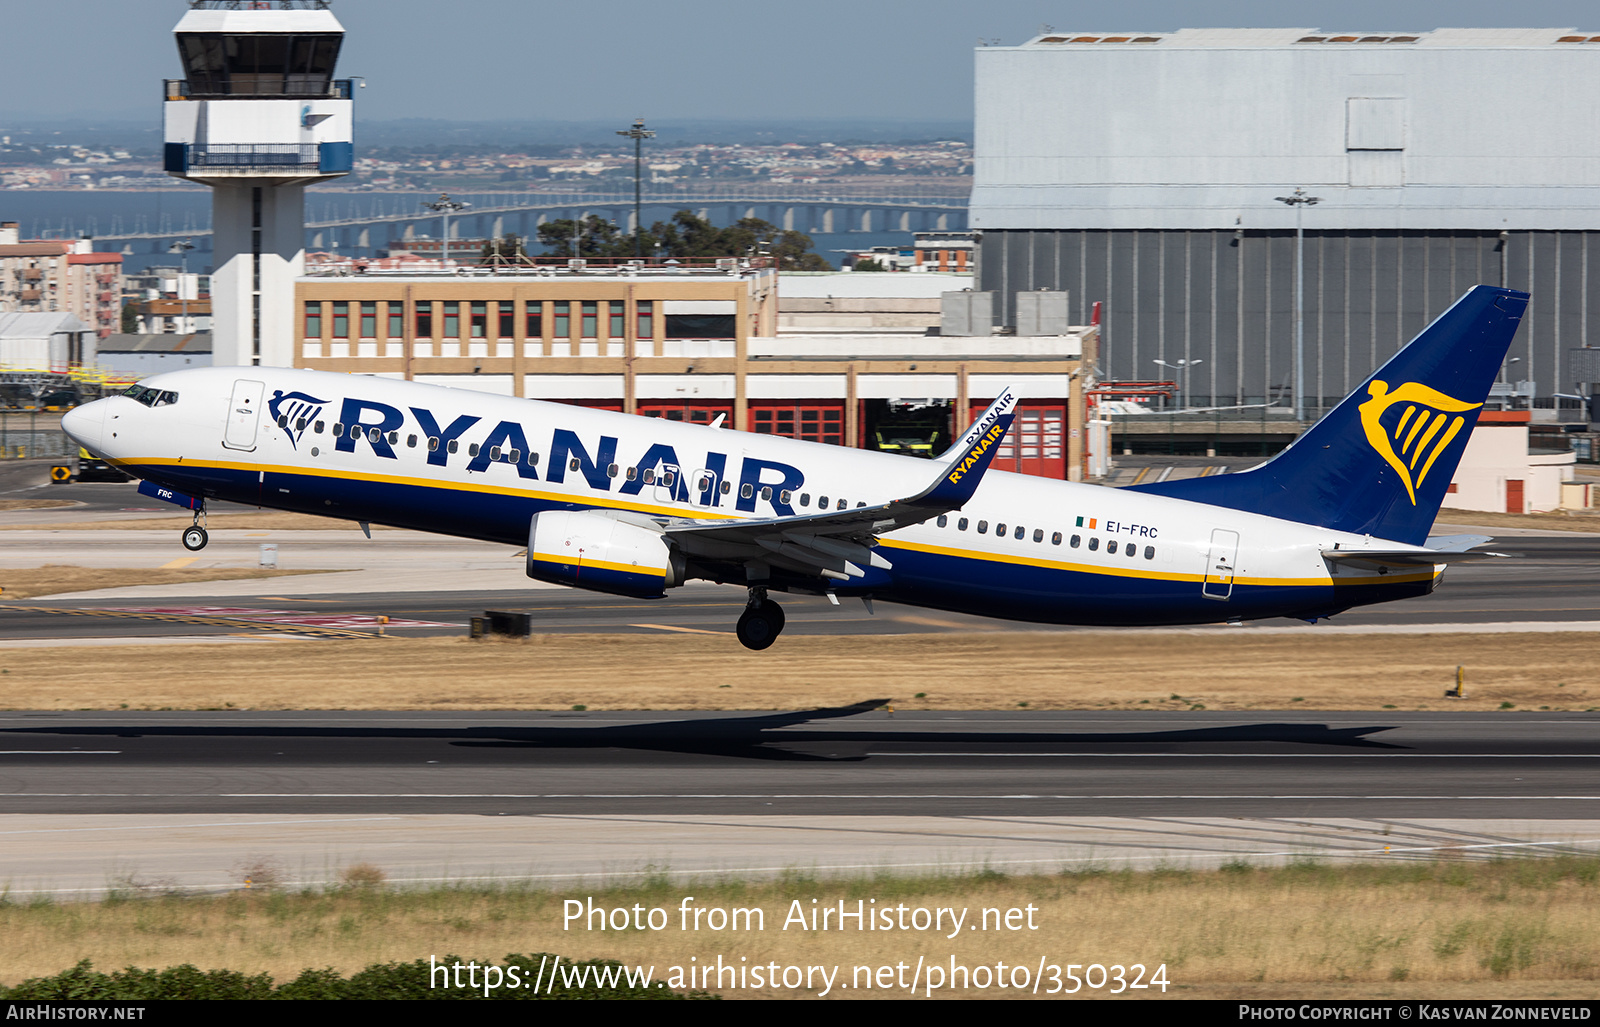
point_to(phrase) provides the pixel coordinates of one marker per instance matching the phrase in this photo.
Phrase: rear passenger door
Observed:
(1219, 564)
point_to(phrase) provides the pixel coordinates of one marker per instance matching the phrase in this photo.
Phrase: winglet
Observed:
(968, 459)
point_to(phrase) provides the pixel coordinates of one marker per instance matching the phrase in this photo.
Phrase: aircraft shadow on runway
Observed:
(763, 737)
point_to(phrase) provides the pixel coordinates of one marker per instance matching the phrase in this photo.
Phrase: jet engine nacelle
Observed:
(597, 551)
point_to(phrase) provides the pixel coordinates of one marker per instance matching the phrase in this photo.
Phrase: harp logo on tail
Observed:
(1411, 426)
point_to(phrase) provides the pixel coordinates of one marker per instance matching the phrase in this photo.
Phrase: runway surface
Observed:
(852, 761)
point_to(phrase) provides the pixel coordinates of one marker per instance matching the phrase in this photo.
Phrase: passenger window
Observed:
(633, 473)
(860, 504)
(318, 428)
(705, 484)
(1149, 552)
(494, 453)
(455, 445)
(650, 476)
(822, 502)
(805, 499)
(300, 425)
(433, 443)
(472, 450)
(1111, 546)
(338, 428)
(766, 492)
(1000, 530)
(943, 520)
(373, 434)
(746, 490)
(411, 442)
(1021, 531)
(983, 527)
(1055, 539)
(1075, 540)
(516, 456)
(572, 465)
(785, 496)
(727, 487)
(283, 420)
(612, 470)
(668, 478)
(355, 432)
(843, 503)
(961, 525)
(533, 458)
(394, 437)
(1038, 535)
(1133, 550)
(1094, 543)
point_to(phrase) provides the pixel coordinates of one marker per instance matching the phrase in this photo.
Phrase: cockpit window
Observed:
(151, 397)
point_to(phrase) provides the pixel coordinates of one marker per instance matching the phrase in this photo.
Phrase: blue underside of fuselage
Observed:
(992, 588)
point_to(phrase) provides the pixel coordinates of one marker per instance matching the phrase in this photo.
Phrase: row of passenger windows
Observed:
(1019, 533)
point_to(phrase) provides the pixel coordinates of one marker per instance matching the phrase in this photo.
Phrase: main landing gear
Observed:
(194, 536)
(761, 622)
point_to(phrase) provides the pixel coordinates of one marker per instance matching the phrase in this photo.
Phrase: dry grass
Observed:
(265, 520)
(1556, 520)
(34, 504)
(1514, 928)
(1131, 671)
(53, 579)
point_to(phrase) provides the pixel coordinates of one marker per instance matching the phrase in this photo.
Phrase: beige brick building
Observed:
(50, 275)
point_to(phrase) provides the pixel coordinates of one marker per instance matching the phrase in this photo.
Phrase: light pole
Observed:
(1184, 366)
(638, 133)
(445, 206)
(1299, 200)
(182, 248)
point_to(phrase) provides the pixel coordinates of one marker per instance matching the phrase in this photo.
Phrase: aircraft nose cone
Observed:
(85, 424)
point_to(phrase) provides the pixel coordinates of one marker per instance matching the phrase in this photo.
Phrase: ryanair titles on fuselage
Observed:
(371, 422)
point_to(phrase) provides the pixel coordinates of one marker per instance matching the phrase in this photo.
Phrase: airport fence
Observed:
(32, 434)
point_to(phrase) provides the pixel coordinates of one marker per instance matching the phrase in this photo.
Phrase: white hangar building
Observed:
(1144, 170)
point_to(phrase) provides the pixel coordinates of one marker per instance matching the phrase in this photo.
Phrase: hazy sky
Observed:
(614, 60)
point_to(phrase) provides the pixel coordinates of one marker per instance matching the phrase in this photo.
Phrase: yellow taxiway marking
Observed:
(690, 631)
(182, 561)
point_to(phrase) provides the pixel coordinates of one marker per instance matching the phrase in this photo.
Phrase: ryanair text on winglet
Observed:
(988, 431)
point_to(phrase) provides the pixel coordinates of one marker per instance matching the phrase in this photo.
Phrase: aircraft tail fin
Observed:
(1379, 463)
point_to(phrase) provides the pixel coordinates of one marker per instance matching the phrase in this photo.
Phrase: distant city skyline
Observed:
(579, 61)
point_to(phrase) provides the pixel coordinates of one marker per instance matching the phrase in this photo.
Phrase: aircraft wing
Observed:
(834, 544)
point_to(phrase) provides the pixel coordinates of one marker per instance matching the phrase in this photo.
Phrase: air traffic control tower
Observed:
(258, 117)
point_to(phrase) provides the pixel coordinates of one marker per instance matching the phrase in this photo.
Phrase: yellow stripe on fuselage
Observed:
(606, 501)
(611, 503)
(1146, 575)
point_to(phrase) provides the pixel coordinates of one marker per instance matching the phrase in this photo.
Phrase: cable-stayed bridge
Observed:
(338, 222)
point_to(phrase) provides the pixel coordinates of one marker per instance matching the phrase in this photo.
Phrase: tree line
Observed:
(685, 235)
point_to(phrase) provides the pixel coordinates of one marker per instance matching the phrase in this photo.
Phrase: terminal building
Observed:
(860, 364)
(1148, 171)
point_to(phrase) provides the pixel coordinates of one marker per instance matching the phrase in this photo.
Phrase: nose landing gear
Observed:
(194, 536)
(761, 622)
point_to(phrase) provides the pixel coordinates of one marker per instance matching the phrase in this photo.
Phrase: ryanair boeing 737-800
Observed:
(635, 506)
